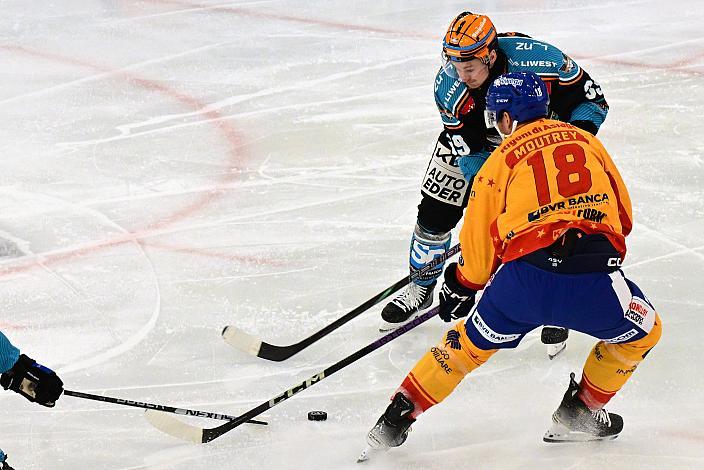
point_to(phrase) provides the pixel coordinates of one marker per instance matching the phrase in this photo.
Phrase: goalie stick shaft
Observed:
(271, 352)
(202, 435)
(152, 406)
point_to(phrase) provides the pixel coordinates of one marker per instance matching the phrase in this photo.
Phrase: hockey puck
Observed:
(317, 416)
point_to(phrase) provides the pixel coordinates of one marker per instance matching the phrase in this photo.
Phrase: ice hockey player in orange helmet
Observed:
(470, 43)
(473, 54)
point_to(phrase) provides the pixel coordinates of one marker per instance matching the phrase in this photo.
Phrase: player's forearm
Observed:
(8, 354)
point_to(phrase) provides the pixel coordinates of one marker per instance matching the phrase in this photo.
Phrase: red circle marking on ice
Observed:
(231, 135)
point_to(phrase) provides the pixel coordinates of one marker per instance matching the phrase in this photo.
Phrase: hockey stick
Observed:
(249, 344)
(176, 428)
(152, 406)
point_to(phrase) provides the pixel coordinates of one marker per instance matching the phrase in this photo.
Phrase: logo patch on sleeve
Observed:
(567, 64)
(467, 106)
(640, 314)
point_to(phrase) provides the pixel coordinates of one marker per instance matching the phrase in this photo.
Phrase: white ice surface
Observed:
(173, 166)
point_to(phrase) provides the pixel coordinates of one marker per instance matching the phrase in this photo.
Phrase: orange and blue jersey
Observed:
(545, 178)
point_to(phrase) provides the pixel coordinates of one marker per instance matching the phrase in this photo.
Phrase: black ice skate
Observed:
(409, 304)
(391, 430)
(573, 421)
(555, 338)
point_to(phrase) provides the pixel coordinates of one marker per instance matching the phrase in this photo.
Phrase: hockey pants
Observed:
(521, 297)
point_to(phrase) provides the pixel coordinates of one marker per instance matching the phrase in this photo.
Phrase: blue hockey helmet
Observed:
(523, 95)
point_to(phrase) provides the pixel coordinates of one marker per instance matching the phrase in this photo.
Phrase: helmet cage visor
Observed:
(448, 63)
(448, 66)
(491, 118)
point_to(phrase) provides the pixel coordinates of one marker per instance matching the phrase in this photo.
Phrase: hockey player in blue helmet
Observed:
(474, 54)
(561, 266)
(25, 376)
(521, 95)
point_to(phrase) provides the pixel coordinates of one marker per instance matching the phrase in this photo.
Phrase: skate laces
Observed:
(601, 416)
(412, 296)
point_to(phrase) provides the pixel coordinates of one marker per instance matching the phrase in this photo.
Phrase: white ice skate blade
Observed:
(560, 433)
(555, 349)
(385, 326)
(369, 452)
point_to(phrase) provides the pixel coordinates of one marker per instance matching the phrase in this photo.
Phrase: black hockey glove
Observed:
(588, 126)
(33, 381)
(456, 300)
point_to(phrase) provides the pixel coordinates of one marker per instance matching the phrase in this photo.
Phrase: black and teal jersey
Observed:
(574, 96)
(8, 354)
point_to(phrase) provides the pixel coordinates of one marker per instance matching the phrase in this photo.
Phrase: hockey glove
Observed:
(3, 462)
(471, 164)
(33, 381)
(456, 300)
(586, 125)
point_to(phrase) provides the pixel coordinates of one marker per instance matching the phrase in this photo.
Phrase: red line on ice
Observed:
(231, 135)
(678, 66)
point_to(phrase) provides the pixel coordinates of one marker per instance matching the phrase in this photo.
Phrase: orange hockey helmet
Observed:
(470, 36)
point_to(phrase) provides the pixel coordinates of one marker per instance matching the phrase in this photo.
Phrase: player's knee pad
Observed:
(609, 366)
(636, 351)
(473, 356)
(425, 247)
(442, 368)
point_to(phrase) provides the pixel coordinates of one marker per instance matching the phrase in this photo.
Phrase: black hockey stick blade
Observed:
(187, 432)
(243, 341)
(160, 409)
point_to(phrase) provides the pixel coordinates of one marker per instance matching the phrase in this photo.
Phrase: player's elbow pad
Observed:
(588, 126)
(8, 354)
(589, 116)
